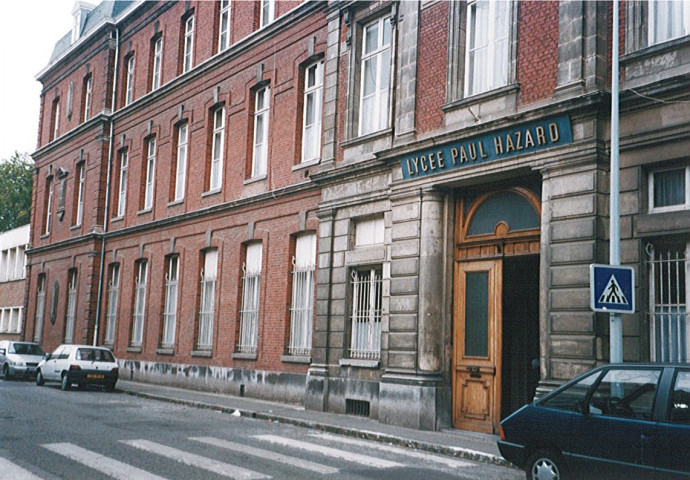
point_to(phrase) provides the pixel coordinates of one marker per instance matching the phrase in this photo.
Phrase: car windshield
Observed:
(26, 349)
(94, 355)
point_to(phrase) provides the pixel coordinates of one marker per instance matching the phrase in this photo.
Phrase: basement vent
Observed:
(357, 407)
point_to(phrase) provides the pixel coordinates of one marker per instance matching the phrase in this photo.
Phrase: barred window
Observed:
(40, 307)
(302, 309)
(249, 314)
(367, 300)
(208, 295)
(71, 306)
(170, 312)
(139, 303)
(111, 315)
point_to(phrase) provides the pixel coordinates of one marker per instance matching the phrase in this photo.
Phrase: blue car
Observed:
(617, 421)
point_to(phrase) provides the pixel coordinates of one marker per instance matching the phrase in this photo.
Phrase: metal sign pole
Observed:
(615, 322)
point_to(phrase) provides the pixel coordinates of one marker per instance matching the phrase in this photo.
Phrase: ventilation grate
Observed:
(357, 407)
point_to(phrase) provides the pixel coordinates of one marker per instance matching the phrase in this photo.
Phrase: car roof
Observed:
(83, 346)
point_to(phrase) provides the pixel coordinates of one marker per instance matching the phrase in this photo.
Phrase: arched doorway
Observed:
(496, 306)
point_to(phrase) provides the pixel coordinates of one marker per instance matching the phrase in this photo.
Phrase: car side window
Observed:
(571, 398)
(680, 399)
(64, 353)
(627, 393)
(57, 352)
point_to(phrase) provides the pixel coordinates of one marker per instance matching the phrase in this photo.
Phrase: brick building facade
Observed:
(379, 208)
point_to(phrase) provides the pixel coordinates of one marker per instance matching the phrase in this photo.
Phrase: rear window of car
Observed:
(95, 355)
(26, 349)
(680, 399)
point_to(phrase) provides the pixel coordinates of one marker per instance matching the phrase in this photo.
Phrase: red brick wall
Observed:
(432, 66)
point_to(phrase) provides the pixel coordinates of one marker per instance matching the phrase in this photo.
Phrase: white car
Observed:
(19, 358)
(80, 364)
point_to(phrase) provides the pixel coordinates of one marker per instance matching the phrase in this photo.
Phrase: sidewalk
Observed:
(457, 443)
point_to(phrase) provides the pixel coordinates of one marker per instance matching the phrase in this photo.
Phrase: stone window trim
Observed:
(637, 29)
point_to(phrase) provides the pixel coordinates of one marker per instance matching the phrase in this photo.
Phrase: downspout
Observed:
(101, 267)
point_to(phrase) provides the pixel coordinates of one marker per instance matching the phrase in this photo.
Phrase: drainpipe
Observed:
(107, 188)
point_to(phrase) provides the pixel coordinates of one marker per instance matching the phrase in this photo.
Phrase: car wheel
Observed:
(66, 383)
(545, 465)
(6, 372)
(39, 379)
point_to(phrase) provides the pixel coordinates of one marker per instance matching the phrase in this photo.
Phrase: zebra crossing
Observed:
(328, 455)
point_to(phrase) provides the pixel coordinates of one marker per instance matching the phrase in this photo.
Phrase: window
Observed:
(217, 146)
(267, 12)
(375, 81)
(79, 200)
(180, 173)
(156, 63)
(48, 205)
(208, 295)
(261, 118)
(40, 307)
(311, 117)
(55, 127)
(669, 333)
(249, 314)
(573, 397)
(71, 305)
(70, 99)
(369, 232)
(129, 82)
(12, 264)
(224, 25)
(188, 55)
(668, 19)
(111, 315)
(669, 190)
(626, 393)
(302, 309)
(367, 299)
(86, 102)
(488, 45)
(680, 399)
(122, 187)
(170, 313)
(11, 319)
(150, 174)
(139, 303)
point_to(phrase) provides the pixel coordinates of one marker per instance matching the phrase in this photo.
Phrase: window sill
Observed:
(117, 219)
(256, 179)
(165, 351)
(655, 49)
(202, 353)
(306, 164)
(75, 227)
(134, 349)
(295, 359)
(45, 235)
(366, 138)
(176, 202)
(244, 356)
(359, 363)
(144, 211)
(481, 97)
(212, 192)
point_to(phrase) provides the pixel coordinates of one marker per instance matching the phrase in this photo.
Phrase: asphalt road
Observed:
(49, 434)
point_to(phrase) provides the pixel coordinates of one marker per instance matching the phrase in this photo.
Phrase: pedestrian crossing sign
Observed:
(612, 289)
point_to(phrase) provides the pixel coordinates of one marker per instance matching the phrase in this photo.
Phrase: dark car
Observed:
(616, 421)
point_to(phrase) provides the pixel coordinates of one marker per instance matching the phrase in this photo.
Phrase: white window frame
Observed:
(366, 314)
(495, 38)
(80, 193)
(217, 150)
(56, 118)
(150, 174)
(188, 56)
(113, 294)
(49, 208)
(181, 167)
(71, 306)
(224, 25)
(171, 300)
(671, 208)
(267, 14)
(40, 307)
(139, 313)
(379, 110)
(87, 97)
(122, 190)
(209, 276)
(262, 107)
(129, 88)
(251, 293)
(313, 107)
(157, 63)
(302, 307)
(674, 11)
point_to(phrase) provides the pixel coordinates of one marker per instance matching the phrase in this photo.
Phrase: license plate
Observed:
(97, 376)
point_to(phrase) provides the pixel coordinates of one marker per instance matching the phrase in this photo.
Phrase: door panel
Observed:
(477, 346)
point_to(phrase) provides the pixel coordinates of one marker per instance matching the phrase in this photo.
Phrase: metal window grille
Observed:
(302, 309)
(40, 308)
(366, 314)
(71, 307)
(139, 306)
(111, 316)
(359, 408)
(249, 315)
(170, 313)
(206, 311)
(669, 336)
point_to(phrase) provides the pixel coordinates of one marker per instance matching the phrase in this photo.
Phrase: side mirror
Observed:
(48, 356)
(2, 351)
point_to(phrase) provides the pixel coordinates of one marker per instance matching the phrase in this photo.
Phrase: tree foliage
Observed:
(16, 182)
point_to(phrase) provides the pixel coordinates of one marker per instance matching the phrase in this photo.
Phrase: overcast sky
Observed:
(28, 32)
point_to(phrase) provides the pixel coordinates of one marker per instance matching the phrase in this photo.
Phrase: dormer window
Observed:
(76, 27)
(79, 11)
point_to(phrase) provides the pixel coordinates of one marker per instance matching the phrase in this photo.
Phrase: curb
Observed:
(458, 452)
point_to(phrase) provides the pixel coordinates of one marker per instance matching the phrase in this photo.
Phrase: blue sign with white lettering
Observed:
(612, 289)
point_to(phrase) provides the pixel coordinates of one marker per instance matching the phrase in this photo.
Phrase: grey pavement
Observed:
(456, 443)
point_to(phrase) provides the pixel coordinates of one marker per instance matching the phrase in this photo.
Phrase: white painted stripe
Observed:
(15, 472)
(109, 466)
(449, 461)
(197, 461)
(331, 452)
(268, 455)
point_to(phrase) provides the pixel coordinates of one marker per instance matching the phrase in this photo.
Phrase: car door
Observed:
(618, 418)
(50, 369)
(3, 351)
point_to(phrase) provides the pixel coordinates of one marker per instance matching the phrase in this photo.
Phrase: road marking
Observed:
(451, 462)
(96, 461)
(15, 472)
(331, 452)
(267, 455)
(197, 461)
